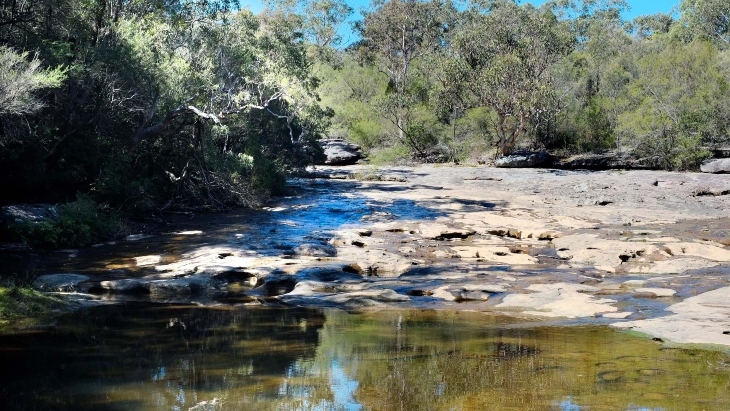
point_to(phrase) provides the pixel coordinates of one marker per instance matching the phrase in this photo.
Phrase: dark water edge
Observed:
(164, 357)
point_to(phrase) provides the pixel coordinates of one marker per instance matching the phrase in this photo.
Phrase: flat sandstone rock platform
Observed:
(641, 250)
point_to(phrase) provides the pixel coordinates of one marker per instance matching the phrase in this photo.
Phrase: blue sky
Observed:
(638, 8)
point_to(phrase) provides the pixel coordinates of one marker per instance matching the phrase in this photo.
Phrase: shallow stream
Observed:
(139, 355)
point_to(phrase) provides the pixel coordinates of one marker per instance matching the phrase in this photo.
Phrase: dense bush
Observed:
(78, 223)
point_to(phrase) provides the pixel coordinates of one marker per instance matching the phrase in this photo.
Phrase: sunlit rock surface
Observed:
(605, 247)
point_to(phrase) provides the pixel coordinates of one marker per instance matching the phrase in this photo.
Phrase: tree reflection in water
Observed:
(157, 357)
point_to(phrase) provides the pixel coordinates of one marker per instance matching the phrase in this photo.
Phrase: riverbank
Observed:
(18, 304)
(644, 250)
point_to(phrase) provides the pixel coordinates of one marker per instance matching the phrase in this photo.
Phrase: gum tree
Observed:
(502, 55)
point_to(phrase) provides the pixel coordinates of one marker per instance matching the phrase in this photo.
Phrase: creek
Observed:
(227, 350)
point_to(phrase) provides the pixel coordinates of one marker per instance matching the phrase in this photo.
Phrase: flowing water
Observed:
(155, 357)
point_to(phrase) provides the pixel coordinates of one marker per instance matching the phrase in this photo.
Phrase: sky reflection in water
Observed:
(151, 357)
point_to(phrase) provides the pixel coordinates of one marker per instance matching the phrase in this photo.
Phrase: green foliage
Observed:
(709, 19)
(675, 102)
(503, 58)
(21, 80)
(77, 224)
(394, 154)
(159, 101)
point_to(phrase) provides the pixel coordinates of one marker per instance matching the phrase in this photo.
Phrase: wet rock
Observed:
(59, 282)
(181, 286)
(444, 293)
(316, 250)
(523, 160)
(467, 292)
(633, 284)
(328, 274)
(473, 296)
(124, 286)
(656, 292)
(716, 166)
(366, 298)
(341, 152)
(276, 285)
(236, 276)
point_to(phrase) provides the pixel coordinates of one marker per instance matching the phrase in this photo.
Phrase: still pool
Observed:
(161, 357)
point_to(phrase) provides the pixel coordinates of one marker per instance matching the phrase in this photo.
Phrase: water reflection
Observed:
(187, 358)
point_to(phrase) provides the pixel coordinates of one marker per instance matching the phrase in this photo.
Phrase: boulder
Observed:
(523, 160)
(341, 152)
(716, 166)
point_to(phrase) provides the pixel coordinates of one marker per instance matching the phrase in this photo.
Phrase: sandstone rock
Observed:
(701, 319)
(444, 293)
(716, 166)
(341, 152)
(59, 282)
(523, 160)
(559, 300)
(601, 162)
(147, 260)
(443, 231)
(549, 235)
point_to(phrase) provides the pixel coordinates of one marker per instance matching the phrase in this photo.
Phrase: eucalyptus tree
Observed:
(709, 18)
(395, 35)
(592, 80)
(502, 55)
(676, 103)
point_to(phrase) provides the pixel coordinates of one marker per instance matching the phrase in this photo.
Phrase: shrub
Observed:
(80, 223)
